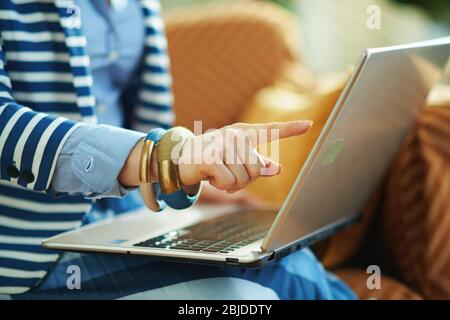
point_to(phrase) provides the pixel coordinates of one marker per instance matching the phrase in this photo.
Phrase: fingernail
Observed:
(272, 170)
(307, 123)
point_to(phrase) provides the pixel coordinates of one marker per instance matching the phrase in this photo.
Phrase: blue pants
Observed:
(298, 276)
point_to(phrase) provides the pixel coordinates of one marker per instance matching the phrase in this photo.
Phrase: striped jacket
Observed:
(45, 93)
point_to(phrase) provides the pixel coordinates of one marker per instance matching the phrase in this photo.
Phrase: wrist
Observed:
(129, 175)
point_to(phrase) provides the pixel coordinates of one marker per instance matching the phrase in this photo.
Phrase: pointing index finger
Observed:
(266, 132)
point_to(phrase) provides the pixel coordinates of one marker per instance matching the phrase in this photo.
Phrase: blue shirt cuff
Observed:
(91, 160)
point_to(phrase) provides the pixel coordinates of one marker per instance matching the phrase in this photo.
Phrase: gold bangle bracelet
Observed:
(145, 185)
(169, 176)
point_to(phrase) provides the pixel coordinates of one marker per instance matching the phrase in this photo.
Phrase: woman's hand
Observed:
(227, 157)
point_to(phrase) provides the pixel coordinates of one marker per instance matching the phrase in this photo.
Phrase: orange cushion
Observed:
(416, 218)
(390, 289)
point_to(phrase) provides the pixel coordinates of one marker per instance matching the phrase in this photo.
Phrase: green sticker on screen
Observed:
(332, 152)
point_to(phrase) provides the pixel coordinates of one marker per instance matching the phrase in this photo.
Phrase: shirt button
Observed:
(13, 172)
(113, 56)
(27, 176)
(89, 164)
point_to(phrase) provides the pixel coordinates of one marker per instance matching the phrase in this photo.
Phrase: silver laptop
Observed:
(376, 110)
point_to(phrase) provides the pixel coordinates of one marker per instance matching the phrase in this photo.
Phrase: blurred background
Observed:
(334, 32)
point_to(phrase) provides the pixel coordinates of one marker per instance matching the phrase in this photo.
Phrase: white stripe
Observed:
(164, 116)
(29, 17)
(64, 3)
(78, 41)
(37, 225)
(41, 147)
(13, 290)
(33, 36)
(18, 151)
(9, 126)
(41, 76)
(90, 119)
(5, 81)
(157, 79)
(37, 56)
(14, 273)
(86, 81)
(88, 101)
(20, 240)
(43, 97)
(80, 61)
(158, 41)
(5, 94)
(44, 208)
(152, 5)
(164, 98)
(155, 21)
(158, 60)
(28, 256)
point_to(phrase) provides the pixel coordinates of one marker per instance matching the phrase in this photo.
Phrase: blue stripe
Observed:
(25, 265)
(17, 282)
(11, 142)
(13, 25)
(155, 50)
(87, 112)
(28, 233)
(34, 46)
(29, 7)
(27, 66)
(40, 217)
(60, 87)
(156, 88)
(27, 248)
(59, 107)
(157, 107)
(50, 152)
(155, 69)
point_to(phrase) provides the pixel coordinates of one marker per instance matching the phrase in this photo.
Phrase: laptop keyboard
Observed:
(223, 234)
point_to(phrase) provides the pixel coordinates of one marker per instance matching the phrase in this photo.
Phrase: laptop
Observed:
(375, 112)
